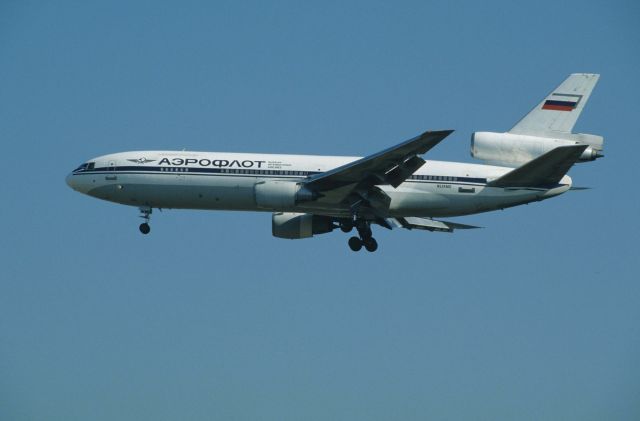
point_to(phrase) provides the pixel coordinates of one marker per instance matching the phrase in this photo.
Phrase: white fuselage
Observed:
(226, 181)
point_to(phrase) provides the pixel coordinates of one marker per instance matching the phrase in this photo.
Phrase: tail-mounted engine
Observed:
(516, 149)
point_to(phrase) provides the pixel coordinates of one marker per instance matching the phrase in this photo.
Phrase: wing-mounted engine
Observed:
(281, 194)
(299, 225)
(515, 149)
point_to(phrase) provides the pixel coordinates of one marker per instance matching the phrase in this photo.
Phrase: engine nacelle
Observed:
(299, 225)
(281, 194)
(516, 149)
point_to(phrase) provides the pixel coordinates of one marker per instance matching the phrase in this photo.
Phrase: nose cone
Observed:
(74, 181)
(69, 181)
(80, 182)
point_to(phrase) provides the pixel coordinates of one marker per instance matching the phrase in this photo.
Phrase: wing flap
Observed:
(414, 222)
(397, 175)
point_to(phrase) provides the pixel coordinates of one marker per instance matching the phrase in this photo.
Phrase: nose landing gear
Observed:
(145, 228)
(145, 213)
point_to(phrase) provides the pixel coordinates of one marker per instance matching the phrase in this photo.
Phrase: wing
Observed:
(355, 185)
(390, 166)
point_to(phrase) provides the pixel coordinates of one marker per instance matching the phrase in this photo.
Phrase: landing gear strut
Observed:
(365, 237)
(145, 213)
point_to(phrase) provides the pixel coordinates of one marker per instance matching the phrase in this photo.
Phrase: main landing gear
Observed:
(365, 237)
(145, 213)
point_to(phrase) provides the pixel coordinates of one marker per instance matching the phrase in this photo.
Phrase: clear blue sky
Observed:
(534, 317)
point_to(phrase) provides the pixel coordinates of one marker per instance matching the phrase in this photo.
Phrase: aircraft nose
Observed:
(70, 182)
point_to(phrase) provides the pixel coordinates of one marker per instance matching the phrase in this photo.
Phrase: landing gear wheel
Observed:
(371, 244)
(346, 227)
(145, 213)
(355, 243)
(145, 228)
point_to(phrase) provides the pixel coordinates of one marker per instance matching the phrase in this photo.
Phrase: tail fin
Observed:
(545, 170)
(560, 110)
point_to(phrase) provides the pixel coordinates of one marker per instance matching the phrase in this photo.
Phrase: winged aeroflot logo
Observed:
(141, 160)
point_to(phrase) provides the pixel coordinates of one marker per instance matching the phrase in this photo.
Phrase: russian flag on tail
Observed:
(562, 102)
(552, 104)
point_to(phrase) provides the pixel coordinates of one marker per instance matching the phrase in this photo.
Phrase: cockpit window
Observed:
(86, 166)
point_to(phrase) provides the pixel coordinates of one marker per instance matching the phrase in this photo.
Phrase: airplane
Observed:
(394, 188)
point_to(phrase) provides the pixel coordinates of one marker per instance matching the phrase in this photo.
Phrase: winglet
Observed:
(547, 169)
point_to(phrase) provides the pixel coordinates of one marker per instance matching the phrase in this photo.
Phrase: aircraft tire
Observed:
(355, 243)
(371, 245)
(145, 228)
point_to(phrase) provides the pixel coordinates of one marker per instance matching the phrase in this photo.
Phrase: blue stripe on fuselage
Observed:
(244, 172)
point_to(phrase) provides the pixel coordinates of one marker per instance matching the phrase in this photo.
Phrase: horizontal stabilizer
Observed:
(413, 222)
(545, 170)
